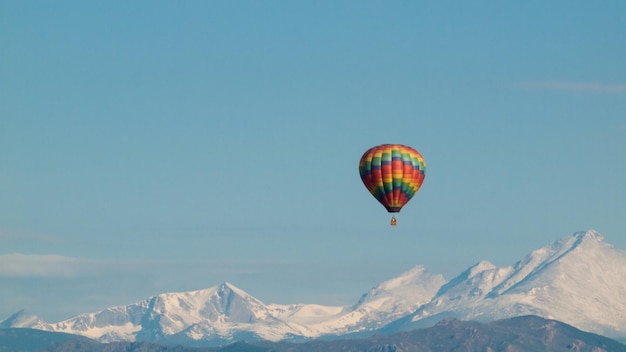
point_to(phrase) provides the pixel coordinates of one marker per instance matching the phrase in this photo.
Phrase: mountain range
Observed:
(526, 333)
(579, 280)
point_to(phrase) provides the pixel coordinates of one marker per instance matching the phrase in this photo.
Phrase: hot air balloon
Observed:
(392, 173)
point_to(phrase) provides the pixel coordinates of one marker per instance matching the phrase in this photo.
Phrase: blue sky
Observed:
(154, 146)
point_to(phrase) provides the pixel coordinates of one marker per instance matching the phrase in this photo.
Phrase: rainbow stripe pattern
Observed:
(392, 173)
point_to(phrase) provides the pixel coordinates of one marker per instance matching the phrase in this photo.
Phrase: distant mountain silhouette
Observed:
(20, 339)
(520, 334)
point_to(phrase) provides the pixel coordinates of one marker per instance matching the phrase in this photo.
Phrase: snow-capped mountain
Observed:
(220, 312)
(23, 319)
(383, 304)
(226, 313)
(397, 297)
(580, 280)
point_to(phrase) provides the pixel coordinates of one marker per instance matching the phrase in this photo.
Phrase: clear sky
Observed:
(165, 146)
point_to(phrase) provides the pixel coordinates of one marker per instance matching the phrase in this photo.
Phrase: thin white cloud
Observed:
(578, 86)
(26, 236)
(48, 265)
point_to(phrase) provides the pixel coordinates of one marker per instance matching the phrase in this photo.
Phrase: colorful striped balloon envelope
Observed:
(392, 173)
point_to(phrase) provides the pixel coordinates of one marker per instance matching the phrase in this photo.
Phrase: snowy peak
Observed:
(23, 319)
(227, 289)
(479, 268)
(581, 246)
(579, 279)
(575, 243)
(169, 314)
(219, 304)
(485, 279)
(416, 275)
(477, 281)
(236, 305)
(393, 299)
(416, 287)
(590, 235)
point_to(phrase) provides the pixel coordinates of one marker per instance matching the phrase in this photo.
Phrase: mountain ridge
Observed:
(578, 279)
(525, 333)
(582, 268)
